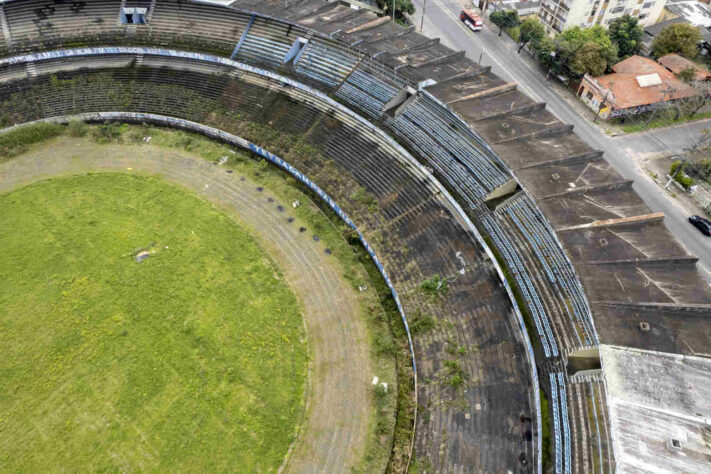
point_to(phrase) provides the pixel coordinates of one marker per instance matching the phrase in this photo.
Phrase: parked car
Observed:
(704, 225)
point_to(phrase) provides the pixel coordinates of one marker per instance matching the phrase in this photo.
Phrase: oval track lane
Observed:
(334, 431)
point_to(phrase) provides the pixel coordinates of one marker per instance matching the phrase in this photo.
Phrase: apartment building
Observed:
(558, 15)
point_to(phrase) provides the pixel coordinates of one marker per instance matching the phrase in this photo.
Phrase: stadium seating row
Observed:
(181, 85)
(459, 156)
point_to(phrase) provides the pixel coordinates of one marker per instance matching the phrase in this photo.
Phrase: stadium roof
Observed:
(660, 409)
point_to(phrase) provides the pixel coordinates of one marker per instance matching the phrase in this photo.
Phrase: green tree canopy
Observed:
(402, 7)
(570, 41)
(625, 33)
(548, 56)
(531, 30)
(681, 38)
(505, 19)
(589, 58)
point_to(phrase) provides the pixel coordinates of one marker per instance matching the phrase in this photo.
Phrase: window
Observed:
(617, 9)
(643, 16)
(648, 4)
(589, 95)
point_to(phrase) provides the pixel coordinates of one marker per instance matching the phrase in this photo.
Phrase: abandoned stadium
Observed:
(584, 324)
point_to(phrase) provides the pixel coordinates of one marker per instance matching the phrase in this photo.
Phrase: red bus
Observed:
(471, 19)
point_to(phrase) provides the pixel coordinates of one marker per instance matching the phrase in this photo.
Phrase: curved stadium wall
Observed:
(99, 94)
(416, 90)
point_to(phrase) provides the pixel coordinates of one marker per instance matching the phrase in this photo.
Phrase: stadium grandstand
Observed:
(562, 281)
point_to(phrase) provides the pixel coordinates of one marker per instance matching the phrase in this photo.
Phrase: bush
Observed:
(684, 180)
(187, 141)
(680, 177)
(17, 141)
(456, 373)
(108, 132)
(135, 135)
(384, 344)
(674, 167)
(421, 323)
(351, 236)
(687, 75)
(77, 128)
(435, 286)
(701, 169)
(514, 33)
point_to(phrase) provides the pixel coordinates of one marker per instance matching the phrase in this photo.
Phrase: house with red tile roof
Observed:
(637, 85)
(676, 64)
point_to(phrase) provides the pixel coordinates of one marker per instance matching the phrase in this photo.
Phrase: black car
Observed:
(704, 225)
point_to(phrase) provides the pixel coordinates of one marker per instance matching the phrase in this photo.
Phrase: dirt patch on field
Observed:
(334, 432)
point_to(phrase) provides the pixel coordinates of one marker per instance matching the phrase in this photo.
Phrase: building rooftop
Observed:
(639, 81)
(660, 410)
(676, 64)
(695, 12)
(654, 30)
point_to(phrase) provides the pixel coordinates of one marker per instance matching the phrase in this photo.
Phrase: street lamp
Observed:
(552, 55)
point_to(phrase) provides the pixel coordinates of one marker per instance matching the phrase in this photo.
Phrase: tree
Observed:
(531, 30)
(573, 39)
(681, 38)
(402, 7)
(589, 59)
(699, 99)
(505, 19)
(548, 56)
(625, 33)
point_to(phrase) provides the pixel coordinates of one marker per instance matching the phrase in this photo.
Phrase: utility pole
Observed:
(393, 10)
(602, 105)
(422, 21)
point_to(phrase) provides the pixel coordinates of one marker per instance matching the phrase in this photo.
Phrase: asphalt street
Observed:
(666, 141)
(442, 20)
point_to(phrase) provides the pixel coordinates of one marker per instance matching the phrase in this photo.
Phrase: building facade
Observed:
(558, 15)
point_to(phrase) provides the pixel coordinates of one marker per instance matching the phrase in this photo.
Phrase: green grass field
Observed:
(191, 360)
